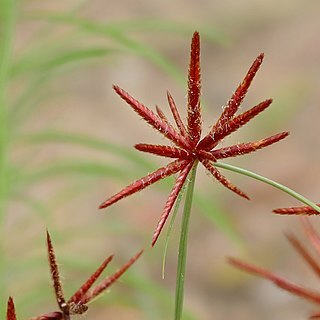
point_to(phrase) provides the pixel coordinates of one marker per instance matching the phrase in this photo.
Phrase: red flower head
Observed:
(189, 148)
(314, 239)
(77, 304)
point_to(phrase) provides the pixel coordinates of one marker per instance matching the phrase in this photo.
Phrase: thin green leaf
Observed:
(75, 166)
(86, 141)
(46, 62)
(35, 205)
(120, 38)
(183, 245)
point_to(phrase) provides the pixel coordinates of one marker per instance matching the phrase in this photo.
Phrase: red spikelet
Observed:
(194, 87)
(171, 200)
(245, 148)
(144, 182)
(110, 280)
(164, 151)
(207, 142)
(222, 179)
(305, 210)
(11, 312)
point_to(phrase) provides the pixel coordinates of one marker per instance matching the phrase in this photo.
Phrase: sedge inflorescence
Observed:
(312, 260)
(188, 148)
(77, 304)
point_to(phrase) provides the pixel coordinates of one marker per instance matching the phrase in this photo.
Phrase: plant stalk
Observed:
(183, 244)
(275, 184)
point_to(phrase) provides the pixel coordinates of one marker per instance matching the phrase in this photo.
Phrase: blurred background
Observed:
(67, 144)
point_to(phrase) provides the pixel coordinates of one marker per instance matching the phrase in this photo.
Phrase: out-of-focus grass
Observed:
(48, 56)
(7, 17)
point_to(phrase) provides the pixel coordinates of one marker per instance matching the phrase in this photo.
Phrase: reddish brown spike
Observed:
(163, 151)
(209, 141)
(177, 117)
(240, 93)
(56, 277)
(304, 253)
(242, 119)
(76, 298)
(171, 200)
(144, 182)
(52, 316)
(194, 87)
(306, 210)
(11, 312)
(151, 118)
(207, 155)
(282, 283)
(315, 316)
(312, 234)
(214, 137)
(110, 280)
(222, 179)
(245, 148)
(162, 115)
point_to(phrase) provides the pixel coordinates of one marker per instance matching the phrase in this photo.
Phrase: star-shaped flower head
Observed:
(189, 148)
(311, 260)
(77, 304)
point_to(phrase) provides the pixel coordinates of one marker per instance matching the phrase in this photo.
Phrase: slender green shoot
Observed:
(183, 245)
(277, 185)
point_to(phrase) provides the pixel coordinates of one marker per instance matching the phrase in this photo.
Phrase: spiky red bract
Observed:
(248, 147)
(163, 151)
(56, 277)
(144, 182)
(283, 283)
(304, 253)
(180, 125)
(189, 150)
(210, 140)
(278, 281)
(305, 210)
(312, 234)
(78, 295)
(106, 283)
(171, 200)
(11, 312)
(222, 179)
(77, 303)
(194, 87)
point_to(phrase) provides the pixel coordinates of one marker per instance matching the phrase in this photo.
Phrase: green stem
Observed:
(268, 181)
(182, 257)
